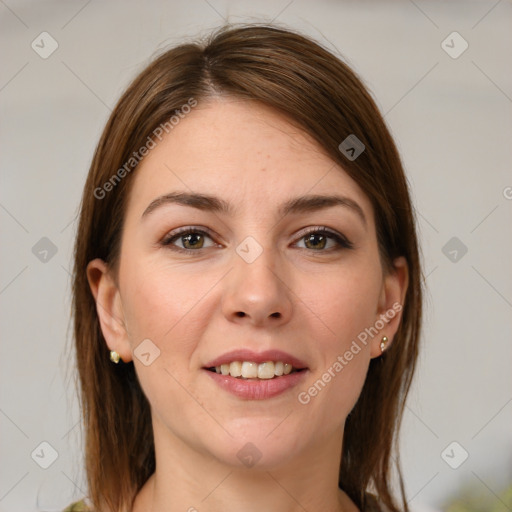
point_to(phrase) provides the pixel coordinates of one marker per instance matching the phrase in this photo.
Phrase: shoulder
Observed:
(78, 506)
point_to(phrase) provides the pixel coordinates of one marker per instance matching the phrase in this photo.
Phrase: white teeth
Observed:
(250, 370)
(235, 369)
(266, 370)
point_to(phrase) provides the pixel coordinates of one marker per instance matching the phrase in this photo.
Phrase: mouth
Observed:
(250, 370)
(256, 376)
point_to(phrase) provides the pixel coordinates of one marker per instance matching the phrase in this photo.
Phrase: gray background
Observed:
(451, 118)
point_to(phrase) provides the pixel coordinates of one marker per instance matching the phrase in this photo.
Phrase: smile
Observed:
(256, 375)
(251, 370)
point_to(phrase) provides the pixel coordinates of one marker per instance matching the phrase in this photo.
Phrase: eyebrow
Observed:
(302, 204)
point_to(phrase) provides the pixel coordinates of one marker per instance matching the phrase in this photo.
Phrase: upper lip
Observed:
(256, 357)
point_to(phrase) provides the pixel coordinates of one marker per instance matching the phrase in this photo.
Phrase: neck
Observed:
(190, 480)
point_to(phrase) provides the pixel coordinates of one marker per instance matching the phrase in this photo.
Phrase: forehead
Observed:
(243, 151)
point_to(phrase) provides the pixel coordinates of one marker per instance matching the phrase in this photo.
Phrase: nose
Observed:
(257, 293)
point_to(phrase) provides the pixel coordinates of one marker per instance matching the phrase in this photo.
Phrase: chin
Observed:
(263, 444)
(256, 454)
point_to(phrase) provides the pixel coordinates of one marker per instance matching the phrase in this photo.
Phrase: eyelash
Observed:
(341, 240)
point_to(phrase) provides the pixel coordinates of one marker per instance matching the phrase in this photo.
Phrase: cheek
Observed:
(167, 305)
(344, 307)
(344, 303)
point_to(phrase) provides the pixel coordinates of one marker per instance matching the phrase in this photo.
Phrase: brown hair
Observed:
(321, 95)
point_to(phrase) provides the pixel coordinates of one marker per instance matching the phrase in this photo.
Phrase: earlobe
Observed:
(391, 303)
(109, 308)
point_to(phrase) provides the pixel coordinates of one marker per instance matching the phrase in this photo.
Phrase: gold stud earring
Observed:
(383, 343)
(114, 356)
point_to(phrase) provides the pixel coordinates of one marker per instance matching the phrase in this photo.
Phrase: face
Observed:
(229, 255)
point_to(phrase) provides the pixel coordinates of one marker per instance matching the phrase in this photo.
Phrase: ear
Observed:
(391, 304)
(109, 308)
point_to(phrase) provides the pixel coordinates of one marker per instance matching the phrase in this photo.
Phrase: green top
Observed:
(78, 506)
(372, 506)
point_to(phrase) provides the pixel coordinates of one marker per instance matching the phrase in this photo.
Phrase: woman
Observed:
(247, 293)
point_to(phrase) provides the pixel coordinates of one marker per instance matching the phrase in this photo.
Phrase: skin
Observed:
(307, 299)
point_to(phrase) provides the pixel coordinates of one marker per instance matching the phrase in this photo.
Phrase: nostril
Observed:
(240, 314)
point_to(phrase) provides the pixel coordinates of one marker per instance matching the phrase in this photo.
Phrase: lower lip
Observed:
(260, 389)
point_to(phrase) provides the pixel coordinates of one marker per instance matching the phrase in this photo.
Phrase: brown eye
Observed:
(187, 240)
(192, 241)
(325, 240)
(315, 241)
